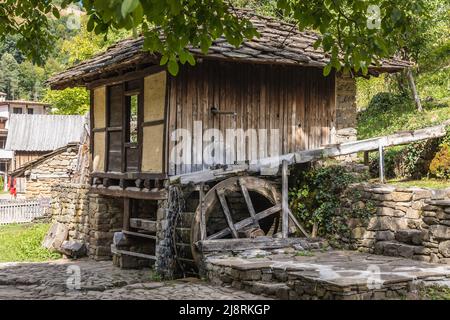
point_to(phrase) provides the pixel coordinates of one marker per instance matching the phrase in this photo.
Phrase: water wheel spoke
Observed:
(202, 212)
(227, 213)
(246, 222)
(249, 203)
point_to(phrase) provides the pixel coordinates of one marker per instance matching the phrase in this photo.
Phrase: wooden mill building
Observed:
(272, 82)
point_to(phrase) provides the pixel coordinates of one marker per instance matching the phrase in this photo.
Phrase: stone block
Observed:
(57, 234)
(401, 196)
(385, 235)
(440, 232)
(74, 249)
(444, 248)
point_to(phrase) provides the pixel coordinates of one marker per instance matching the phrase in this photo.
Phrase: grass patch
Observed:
(387, 114)
(424, 183)
(304, 254)
(22, 243)
(435, 293)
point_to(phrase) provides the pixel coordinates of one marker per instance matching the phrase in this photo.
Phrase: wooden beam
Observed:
(227, 213)
(139, 235)
(306, 156)
(132, 254)
(138, 194)
(285, 200)
(143, 224)
(246, 244)
(248, 201)
(247, 222)
(298, 225)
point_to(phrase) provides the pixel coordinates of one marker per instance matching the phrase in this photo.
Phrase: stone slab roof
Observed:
(279, 43)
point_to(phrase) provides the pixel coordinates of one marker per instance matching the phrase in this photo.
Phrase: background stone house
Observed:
(45, 151)
(7, 108)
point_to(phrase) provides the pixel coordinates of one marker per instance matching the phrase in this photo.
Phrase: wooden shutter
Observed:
(153, 125)
(99, 126)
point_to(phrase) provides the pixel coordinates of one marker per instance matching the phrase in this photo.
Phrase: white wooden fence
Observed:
(20, 211)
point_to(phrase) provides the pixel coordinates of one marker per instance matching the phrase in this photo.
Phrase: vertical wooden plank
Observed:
(227, 213)
(381, 159)
(366, 158)
(285, 200)
(126, 214)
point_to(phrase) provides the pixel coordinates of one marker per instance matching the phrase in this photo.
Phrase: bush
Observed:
(316, 199)
(411, 161)
(440, 165)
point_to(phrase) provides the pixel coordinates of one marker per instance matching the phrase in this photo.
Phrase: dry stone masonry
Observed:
(53, 170)
(91, 220)
(345, 109)
(407, 222)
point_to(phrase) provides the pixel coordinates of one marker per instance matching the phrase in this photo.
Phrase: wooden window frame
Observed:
(126, 145)
(122, 80)
(109, 129)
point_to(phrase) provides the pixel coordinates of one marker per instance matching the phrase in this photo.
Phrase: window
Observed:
(123, 128)
(132, 103)
(132, 133)
(2, 142)
(30, 111)
(17, 110)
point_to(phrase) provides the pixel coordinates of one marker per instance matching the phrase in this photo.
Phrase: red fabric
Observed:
(12, 186)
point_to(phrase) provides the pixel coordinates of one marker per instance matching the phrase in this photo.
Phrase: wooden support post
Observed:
(126, 214)
(381, 161)
(227, 213)
(366, 158)
(414, 90)
(202, 212)
(285, 200)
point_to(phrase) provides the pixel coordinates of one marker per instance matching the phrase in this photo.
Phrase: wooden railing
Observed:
(20, 211)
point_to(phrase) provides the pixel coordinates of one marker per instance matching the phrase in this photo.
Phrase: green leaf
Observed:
(327, 70)
(91, 24)
(190, 59)
(164, 60)
(173, 67)
(56, 13)
(128, 6)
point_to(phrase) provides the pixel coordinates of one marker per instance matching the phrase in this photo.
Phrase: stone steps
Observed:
(398, 249)
(270, 289)
(329, 275)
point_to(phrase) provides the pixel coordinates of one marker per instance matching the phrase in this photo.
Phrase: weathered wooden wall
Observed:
(299, 101)
(21, 158)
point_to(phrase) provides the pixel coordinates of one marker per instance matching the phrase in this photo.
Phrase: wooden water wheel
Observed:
(234, 206)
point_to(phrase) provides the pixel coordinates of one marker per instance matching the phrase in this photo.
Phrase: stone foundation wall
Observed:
(407, 222)
(105, 218)
(70, 206)
(346, 109)
(56, 169)
(90, 219)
